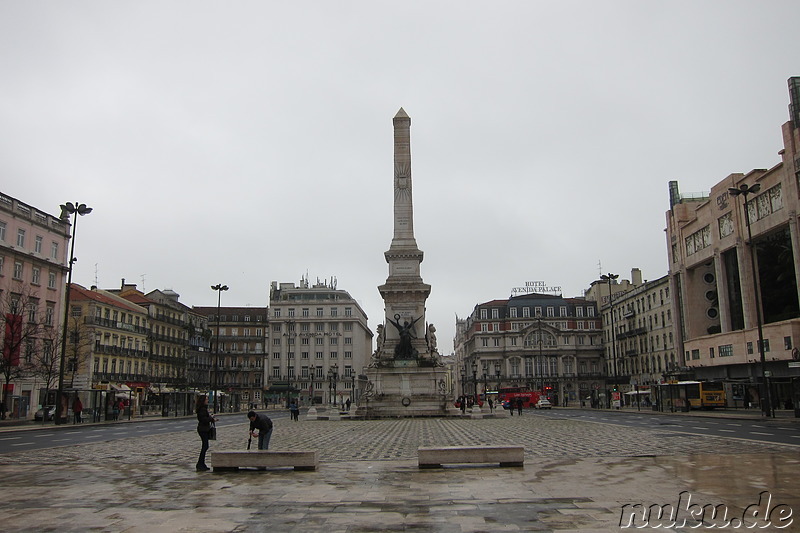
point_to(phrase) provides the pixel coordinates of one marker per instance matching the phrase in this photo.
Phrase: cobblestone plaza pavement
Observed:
(577, 476)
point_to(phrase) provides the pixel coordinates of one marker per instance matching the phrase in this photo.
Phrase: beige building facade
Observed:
(319, 342)
(714, 283)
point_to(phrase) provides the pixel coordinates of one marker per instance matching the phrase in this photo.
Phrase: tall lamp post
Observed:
(475, 379)
(333, 374)
(610, 278)
(219, 288)
(744, 190)
(497, 375)
(67, 210)
(463, 382)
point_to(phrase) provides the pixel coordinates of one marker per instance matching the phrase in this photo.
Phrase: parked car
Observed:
(543, 403)
(45, 413)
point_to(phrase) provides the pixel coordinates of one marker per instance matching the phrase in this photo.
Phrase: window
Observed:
(513, 312)
(35, 278)
(17, 270)
(485, 342)
(579, 311)
(787, 343)
(348, 311)
(37, 244)
(711, 352)
(538, 311)
(562, 310)
(318, 355)
(484, 314)
(526, 312)
(319, 326)
(551, 311)
(305, 312)
(590, 311)
(303, 355)
(276, 355)
(276, 372)
(334, 355)
(348, 355)
(348, 340)
(290, 312)
(318, 341)
(21, 238)
(497, 341)
(48, 315)
(495, 313)
(2, 231)
(277, 313)
(334, 311)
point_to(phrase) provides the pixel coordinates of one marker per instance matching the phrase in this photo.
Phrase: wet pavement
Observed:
(577, 477)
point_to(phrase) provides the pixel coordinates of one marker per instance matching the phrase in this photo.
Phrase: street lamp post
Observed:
(219, 288)
(610, 278)
(497, 375)
(475, 379)
(744, 190)
(333, 374)
(463, 382)
(66, 210)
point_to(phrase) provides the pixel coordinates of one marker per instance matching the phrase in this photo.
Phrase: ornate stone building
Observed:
(544, 342)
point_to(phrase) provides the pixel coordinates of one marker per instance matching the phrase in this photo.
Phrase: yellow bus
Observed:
(695, 394)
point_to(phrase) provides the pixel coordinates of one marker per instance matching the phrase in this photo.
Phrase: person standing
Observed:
(519, 406)
(348, 403)
(204, 421)
(77, 408)
(294, 410)
(491, 405)
(263, 424)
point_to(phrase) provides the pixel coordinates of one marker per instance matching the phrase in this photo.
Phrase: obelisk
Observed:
(404, 294)
(405, 377)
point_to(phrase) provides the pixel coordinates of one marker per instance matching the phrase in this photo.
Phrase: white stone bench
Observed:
(432, 457)
(233, 460)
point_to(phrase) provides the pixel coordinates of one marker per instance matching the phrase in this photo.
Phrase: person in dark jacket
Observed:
(204, 421)
(263, 424)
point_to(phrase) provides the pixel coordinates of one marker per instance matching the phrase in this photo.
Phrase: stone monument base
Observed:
(405, 391)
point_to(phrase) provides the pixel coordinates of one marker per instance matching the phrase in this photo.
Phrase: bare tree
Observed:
(21, 325)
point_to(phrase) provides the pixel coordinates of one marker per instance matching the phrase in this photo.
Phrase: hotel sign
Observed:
(537, 286)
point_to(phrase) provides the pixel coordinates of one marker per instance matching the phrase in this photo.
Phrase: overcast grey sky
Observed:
(242, 142)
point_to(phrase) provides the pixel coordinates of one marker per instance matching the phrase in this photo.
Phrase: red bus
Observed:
(513, 394)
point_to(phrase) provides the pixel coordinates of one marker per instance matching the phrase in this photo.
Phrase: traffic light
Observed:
(616, 389)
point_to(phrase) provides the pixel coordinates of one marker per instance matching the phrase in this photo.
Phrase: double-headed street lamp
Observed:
(219, 288)
(333, 375)
(67, 210)
(610, 278)
(744, 190)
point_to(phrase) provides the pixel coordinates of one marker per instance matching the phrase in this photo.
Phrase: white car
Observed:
(543, 404)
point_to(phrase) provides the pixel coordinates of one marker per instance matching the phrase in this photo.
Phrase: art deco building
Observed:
(238, 339)
(319, 342)
(540, 341)
(714, 283)
(33, 247)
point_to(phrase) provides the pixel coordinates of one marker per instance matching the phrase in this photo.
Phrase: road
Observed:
(767, 431)
(51, 436)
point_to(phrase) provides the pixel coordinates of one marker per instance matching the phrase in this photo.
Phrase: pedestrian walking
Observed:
(263, 424)
(3, 410)
(348, 403)
(294, 410)
(204, 421)
(519, 406)
(491, 405)
(77, 409)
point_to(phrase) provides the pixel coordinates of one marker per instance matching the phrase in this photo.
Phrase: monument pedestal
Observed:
(405, 391)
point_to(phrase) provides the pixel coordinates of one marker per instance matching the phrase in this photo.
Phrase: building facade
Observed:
(238, 338)
(319, 342)
(33, 266)
(543, 342)
(716, 268)
(639, 341)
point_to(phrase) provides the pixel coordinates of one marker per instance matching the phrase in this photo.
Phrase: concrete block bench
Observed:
(233, 460)
(433, 457)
